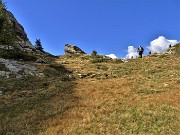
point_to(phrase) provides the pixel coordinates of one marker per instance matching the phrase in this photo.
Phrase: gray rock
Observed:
(18, 76)
(23, 41)
(5, 74)
(40, 75)
(2, 73)
(70, 49)
(18, 27)
(6, 47)
(17, 68)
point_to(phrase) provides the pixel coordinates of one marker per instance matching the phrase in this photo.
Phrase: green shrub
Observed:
(100, 59)
(94, 53)
(16, 55)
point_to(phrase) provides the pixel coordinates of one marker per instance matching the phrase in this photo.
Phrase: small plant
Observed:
(94, 53)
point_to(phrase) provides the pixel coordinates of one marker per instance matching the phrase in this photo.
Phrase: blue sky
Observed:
(107, 26)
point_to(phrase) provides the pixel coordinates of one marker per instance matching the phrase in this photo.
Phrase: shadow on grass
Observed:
(27, 104)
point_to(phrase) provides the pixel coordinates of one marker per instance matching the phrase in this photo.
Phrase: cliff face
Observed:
(21, 34)
(23, 40)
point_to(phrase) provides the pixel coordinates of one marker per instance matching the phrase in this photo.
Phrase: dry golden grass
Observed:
(112, 107)
(95, 100)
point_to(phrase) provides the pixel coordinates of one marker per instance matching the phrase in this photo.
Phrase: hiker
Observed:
(170, 46)
(140, 51)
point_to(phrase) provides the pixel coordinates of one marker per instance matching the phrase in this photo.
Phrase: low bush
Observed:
(100, 59)
(16, 55)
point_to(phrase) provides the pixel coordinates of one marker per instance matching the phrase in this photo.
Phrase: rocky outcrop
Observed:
(23, 41)
(17, 27)
(17, 69)
(70, 49)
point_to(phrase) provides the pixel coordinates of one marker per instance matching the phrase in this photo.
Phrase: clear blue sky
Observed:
(107, 26)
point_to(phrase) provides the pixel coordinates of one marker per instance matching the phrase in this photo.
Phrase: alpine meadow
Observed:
(84, 94)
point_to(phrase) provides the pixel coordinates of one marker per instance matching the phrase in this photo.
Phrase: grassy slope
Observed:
(31, 100)
(141, 96)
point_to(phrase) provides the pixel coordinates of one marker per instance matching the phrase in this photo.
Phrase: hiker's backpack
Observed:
(141, 49)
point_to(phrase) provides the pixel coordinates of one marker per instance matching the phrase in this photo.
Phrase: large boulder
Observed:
(70, 49)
